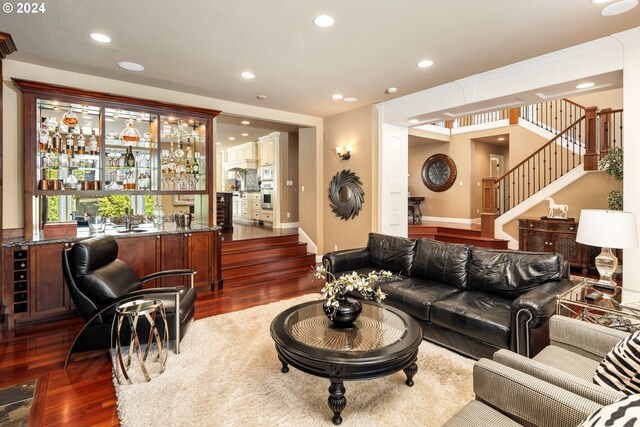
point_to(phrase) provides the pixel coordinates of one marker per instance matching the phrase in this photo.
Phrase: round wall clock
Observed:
(439, 172)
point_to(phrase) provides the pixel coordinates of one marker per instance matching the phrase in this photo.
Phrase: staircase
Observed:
(581, 136)
(252, 261)
(453, 234)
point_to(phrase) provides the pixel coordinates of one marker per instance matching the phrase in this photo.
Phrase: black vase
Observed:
(345, 314)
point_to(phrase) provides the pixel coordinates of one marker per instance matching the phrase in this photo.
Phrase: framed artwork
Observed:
(183, 199)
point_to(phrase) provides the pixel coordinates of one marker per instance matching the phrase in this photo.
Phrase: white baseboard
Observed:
(311, 246)
(453, 220)
(289, 225)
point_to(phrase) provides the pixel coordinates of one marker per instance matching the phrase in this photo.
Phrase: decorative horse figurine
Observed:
(564, 209)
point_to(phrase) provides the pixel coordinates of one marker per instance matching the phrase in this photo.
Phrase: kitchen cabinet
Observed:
(130, 250)
(554, 235)
(81, 144)
(243, 156)
(266, 150)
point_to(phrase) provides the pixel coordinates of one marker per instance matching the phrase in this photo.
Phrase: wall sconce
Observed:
(346, 155)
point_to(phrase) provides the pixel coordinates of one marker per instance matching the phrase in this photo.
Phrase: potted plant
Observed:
(612, 165)
(341, 309)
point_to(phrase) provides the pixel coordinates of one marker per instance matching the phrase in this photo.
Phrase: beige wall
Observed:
(454, 202)
(605, 99)
(589, 192)
(354, 128)
(307, 160)
(481, 169)
(289, 172)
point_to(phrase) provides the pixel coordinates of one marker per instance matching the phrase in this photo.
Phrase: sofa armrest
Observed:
(532, 310)
(527, 399)
(587, 339)
(587, 389)
(346, 260)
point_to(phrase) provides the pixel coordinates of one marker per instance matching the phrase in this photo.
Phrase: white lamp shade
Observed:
(607, 229)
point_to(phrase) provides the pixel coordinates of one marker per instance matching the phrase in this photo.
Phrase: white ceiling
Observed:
(201, 46)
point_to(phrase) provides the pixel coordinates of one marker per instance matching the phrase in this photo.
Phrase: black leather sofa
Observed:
(472, 300)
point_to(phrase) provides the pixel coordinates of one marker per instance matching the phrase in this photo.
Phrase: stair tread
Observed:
(261, 248)
(264, 261)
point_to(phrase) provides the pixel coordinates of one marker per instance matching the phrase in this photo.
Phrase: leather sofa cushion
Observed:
(415, 295)
(441, 262)
(478, 315)
(512, 273)
(391, 253)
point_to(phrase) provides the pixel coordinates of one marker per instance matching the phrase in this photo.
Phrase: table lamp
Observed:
(607, 229)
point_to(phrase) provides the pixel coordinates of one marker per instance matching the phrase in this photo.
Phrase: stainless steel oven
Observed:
(266, 188)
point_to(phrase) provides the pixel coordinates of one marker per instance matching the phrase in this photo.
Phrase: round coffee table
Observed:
(382, 341)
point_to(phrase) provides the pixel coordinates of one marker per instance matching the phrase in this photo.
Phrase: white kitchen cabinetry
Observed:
(266, 149)
(243, 156)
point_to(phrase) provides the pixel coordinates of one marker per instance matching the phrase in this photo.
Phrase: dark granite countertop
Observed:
(117, 232)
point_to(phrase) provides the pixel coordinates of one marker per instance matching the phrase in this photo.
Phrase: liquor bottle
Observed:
(44, 138)
(93, 143)
(80, 148)
(69, 150)
(56, 141)
(129, 159)
(195, 168)
(188, 168)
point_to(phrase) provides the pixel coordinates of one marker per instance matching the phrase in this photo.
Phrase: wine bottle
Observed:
(56, 141)
(130, 160)
(69, 150)
(80, 148)
(195, 168)
(93, 143)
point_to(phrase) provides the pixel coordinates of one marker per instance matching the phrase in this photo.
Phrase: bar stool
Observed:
(414, 209)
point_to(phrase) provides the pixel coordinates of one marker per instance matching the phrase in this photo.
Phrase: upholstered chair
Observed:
(99, 282)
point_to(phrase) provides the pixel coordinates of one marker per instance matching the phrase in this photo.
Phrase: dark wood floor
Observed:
(83, 395)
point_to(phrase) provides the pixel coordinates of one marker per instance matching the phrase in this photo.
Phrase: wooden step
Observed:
(264, 253)
(452, 234)
(262, 270)
(481, 242)
(261, 242)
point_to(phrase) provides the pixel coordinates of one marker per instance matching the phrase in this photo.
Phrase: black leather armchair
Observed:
(98, 282)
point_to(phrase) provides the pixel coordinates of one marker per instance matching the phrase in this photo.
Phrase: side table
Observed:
(614, 307)
(414, 209)
(132, 312)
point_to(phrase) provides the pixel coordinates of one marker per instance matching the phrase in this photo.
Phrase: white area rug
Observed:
(228, 374)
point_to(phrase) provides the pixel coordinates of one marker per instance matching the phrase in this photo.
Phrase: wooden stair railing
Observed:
(583, 141)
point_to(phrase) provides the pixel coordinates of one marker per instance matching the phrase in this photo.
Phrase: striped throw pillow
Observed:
(620, 368)
(623, 413)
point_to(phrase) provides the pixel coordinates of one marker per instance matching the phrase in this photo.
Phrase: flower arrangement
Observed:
(335, 288)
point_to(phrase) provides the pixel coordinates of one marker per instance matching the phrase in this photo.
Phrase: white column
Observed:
(631, 139)
(393, 182)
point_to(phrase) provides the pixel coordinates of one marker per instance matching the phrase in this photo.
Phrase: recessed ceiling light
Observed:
(244, 134)
(501, 139)
(247, 75)
(414, 121)
(425, 63)
(585, 85)
(130, 66)
(619, 7)
(350, 99)
(232, 138)
(391, 90)
(337, 96)
(261, 97)
(218, 143)
(323, 21)
(245, 122)
(102, 38)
